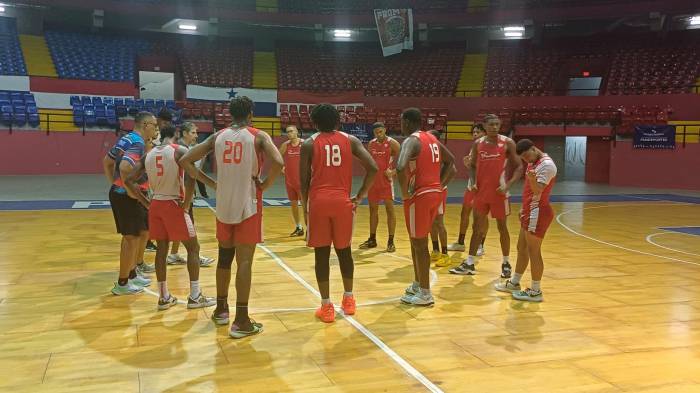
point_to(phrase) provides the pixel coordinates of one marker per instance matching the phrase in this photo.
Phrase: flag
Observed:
(395, 27)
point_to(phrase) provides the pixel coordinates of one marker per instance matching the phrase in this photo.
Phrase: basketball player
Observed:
(326, 182)
(438, 233)
(535, 217)
(467, 203)
(188, 137)
(424, 167)
(239, 150)
(291, 151)
(167, 216)
(385, 151)
(489, 156)
(130, 216)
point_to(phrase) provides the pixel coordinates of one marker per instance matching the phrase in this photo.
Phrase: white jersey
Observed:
(165, 177)
(237, 163)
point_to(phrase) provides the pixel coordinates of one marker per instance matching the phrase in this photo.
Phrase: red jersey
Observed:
(424, 170)
(291, 164)
(381, 152)
(491, 164)
(331, 166)
(545, 173)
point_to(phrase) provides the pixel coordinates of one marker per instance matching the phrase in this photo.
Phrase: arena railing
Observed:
(629, 90)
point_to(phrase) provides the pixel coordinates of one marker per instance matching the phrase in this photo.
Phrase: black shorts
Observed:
(130, 216)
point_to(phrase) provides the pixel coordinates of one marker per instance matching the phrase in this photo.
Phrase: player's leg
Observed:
(342, 223)
(480, 221)
(320, 238)
(227, 251)
(534, 250)
(523, 259)
(371, 242)
(242, 325)
(294, 196)
(391, 223)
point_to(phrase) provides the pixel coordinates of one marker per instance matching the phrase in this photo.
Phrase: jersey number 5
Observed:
(333, 155)
(233, 152)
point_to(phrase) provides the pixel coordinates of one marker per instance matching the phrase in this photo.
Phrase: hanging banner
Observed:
(654, 137)
(395, 27)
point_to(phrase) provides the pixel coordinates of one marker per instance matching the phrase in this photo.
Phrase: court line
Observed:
(668, 248)
(410, 370)
(616, 245)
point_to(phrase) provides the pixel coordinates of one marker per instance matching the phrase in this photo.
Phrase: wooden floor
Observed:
(620, 313)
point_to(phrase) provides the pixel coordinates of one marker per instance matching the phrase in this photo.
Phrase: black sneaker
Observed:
(150, 246)
(297, 232)
(369, 243)
(390, 247)
(506, 270)
(464, 269)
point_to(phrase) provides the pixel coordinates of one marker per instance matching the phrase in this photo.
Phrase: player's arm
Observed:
(359, 151)
(108, 164)
(131, 174)
(516, 162)
(395, 149)
(283, 149)
(539, 178)
(447, 165)
(472, 165)
(264, 143)
(305, 160)
(198, 152)
(409, 150)
(189, 180)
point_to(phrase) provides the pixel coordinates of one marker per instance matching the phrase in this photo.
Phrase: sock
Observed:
(298, 226)
(347, 294)
(325, 301)
(163, 289)
(242, 313)
(506, 260)
(132, 274)
(461, 239)
(516, 278)
(470, 260)
(373, 236)
(436, 245)
(194, 289)
(391, 239)
(122, 281)
(222, 303)
(536, 286)
(444, 250)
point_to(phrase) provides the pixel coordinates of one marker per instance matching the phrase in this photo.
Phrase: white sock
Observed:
(298, 226)
(425, 292)
(536, 286)
(325, 301)
(506, 259)
(347, 294)
(163, 289)
(516, 278)
(470, 260)
(194, 289)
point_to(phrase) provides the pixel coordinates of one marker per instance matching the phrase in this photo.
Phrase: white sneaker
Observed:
(412, 289)
(144, 268)
(140, 281)
(507, 286)
(176, 259)
(419, 300)
(480, 251)
(456, 247)
(164, 304)
(128, 289)
(205, 261)
(201, 301)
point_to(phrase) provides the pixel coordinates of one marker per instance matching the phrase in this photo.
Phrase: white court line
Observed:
(653, 235)
(615, 245)
(410, 370)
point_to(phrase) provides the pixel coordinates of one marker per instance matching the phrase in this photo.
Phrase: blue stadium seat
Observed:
(34, 119)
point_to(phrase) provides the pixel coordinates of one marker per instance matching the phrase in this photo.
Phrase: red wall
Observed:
(77, 87)
(35, 153)
(655, 168)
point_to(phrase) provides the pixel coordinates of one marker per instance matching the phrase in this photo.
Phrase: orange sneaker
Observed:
(349, 305)
(326, 313)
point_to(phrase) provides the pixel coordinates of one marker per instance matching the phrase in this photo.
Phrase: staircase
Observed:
(472, 75)
(61, 120)
(460, 130)
(271, 125)
(264, 70)
(37, 56)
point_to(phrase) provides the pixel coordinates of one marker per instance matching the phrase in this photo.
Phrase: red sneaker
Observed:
(326, 313)
(349, 305)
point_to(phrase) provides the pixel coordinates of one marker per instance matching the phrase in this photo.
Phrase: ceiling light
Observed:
(513, 34)
(187, 27)
(514, 28)
(695, 20)
(2, 9)
(342, 33)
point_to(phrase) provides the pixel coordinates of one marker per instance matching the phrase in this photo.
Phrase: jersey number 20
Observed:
(236, 149)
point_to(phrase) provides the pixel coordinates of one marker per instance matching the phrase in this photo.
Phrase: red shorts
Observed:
(168, 221)
(248, 231)
(496, 204)
(420, 213)
(330, 222)
(469, 198)
(536, 221)
(293, 192)
(382, 189)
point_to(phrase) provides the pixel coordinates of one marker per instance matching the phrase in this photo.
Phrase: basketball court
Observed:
(621, 309)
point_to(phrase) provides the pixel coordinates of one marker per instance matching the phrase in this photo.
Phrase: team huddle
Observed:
(153, 188)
